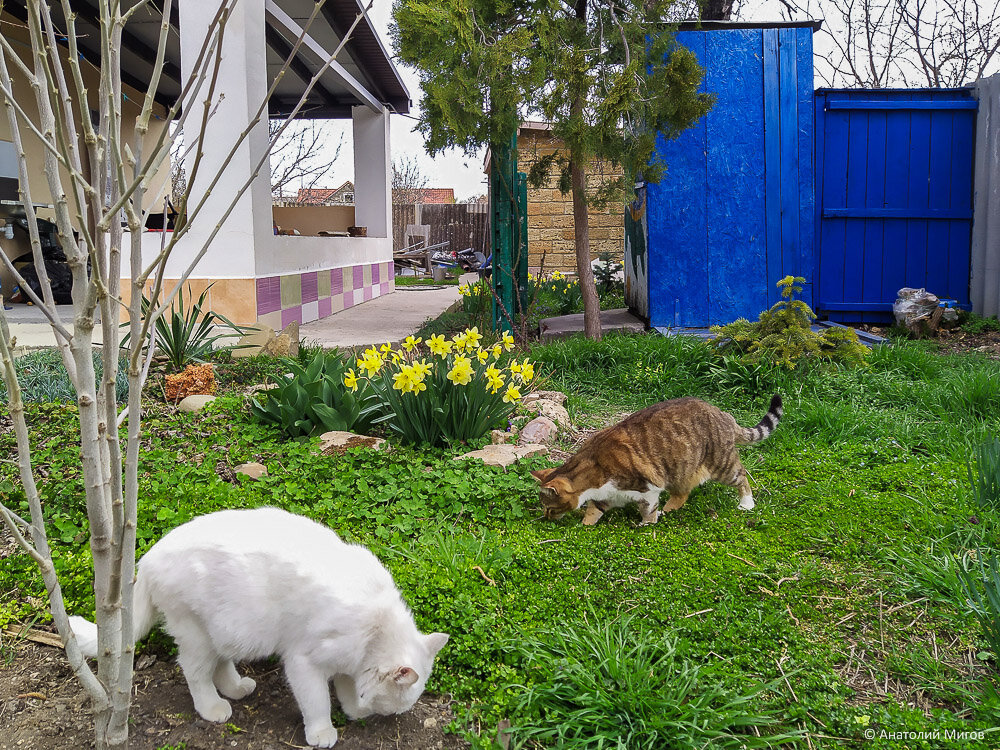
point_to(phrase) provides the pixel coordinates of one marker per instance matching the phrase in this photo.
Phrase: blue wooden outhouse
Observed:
(735, 211)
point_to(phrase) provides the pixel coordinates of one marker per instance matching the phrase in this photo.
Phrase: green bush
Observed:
(312, 398)
(608, 686)
(784, 334)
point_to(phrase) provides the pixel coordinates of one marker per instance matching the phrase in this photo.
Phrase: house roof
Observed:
(364, 60)
(321, 195)
(438, 195)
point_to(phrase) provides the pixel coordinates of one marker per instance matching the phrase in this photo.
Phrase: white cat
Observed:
(245, 584)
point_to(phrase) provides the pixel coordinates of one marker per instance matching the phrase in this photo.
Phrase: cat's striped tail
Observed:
(143, 619)
(766, 426)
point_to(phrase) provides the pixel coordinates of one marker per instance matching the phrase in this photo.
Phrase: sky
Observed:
(451, 169)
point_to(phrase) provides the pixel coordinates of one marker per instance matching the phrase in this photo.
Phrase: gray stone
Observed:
(194, 403)
(292, 331)
(540, 430)
(499, 437)
(551, 329)
(555, 396)
(253, 470)
(338, 441)
(504, 455)
(552, 410)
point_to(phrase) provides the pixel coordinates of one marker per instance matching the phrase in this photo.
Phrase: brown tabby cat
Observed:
(674, 445)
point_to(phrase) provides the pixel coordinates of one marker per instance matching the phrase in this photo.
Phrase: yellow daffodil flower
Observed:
(411, 343)
(371, 362)
(421, 368)
(461, 340)
(497, 351)
(351, 380)
(515, 367)
(512, 395)
(527, 371)
(386, 347)
(482, 355)
(439, 345)
(472, 337)
(461, 373)
(508, 341)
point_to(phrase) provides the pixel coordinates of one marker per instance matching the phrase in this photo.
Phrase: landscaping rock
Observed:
(253, 342)
(557, 396)
(540, 430)
(499, 437)
(279, 346)
(195, 403)
(253, 470)
(556, 412)
(504, 455)
(336, 442)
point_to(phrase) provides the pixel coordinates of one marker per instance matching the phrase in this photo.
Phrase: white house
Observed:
(256, 275)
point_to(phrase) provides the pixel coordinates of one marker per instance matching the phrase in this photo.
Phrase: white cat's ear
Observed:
(435, 642)
(404, 676)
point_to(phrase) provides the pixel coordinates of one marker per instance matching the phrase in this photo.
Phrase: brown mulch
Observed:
(957, 341)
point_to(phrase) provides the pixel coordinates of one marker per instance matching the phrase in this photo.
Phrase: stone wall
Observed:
(550, 213)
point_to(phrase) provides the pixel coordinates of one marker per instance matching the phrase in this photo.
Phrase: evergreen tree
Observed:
(607, 75)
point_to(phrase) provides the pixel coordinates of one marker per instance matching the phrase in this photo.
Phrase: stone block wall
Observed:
(550, 213)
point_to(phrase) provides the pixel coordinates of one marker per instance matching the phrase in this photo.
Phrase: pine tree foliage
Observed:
(485, 65)
(783, 334)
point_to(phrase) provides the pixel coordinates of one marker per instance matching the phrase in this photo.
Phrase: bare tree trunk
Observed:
(581, 236)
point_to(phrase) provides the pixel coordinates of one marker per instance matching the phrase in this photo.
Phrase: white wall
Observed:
(984, 285)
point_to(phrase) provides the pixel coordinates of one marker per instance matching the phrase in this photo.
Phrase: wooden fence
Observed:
(462, 225)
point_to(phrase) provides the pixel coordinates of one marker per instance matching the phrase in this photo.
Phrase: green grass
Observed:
(43, 378)
(843, 578)
(426, 281)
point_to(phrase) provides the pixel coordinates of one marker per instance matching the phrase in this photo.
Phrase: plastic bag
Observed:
(913, 306)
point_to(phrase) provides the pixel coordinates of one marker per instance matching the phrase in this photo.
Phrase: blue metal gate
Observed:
(894, 197)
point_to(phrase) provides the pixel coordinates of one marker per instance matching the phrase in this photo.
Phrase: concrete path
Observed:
(390, 318)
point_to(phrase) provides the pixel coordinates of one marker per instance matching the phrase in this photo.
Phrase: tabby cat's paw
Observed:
(746, 503)
(322, 737)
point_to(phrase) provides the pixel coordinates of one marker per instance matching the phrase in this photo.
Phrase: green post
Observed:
(503, 192)
(521, 255)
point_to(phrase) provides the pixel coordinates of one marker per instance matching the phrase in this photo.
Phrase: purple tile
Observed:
(290, 315)
(359, 277)
(268, 295)
(368, 293)
(385, 287)
(348, 299)
(325, 307)
(336, 281)
(376, 271)
(310, 287)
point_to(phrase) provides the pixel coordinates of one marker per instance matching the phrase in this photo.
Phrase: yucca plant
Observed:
(186, 335)
(312, 398)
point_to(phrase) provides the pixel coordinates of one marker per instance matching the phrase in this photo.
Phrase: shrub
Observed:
(607, 686)
(43, 378)
(460, 394)
(312, 399)
(608, 275)
(784, 334)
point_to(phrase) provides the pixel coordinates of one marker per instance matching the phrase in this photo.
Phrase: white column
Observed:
(241, 87)
(372, 171)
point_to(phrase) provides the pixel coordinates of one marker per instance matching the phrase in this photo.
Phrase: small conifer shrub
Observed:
(784, 335)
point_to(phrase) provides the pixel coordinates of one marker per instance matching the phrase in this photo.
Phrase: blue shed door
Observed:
(894, 203)
(734, 212)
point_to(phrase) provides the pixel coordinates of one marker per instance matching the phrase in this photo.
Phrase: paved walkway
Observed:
(389, 318)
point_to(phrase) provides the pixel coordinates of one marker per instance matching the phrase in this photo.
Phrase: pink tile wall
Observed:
(269, 293)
